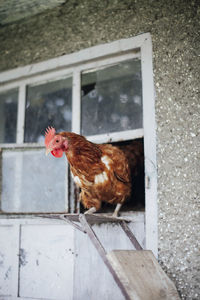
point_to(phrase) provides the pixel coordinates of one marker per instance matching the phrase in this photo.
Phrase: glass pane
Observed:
(32, 182)
(8, 116)
(112, 98)
(48, 104)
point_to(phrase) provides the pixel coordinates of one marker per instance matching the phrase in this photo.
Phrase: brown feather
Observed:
(99, 181)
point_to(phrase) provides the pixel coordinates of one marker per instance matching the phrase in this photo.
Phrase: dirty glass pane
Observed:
(112, 98)
(8, 116)
(48, 104)
(32, 182)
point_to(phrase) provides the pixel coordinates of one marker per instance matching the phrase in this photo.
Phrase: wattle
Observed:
(57, 152)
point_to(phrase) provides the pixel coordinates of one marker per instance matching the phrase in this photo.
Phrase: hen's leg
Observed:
(80, 197)
(115, 214)
(90, 211)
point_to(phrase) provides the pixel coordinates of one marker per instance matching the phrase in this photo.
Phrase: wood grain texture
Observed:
(143, 277)
(97, 218)
(92, 279)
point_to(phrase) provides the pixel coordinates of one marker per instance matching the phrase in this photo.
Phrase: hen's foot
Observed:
(90, 211)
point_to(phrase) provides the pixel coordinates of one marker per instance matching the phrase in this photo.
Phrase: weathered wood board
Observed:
(97, 218)
(46, 261)
(142, 276)
(92, 279)
(51, 260)
(7, 252)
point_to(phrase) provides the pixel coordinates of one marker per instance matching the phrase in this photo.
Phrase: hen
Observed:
(101, 171)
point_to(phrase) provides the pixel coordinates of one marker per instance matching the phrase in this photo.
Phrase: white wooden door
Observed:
(36, 260)
(49, 259)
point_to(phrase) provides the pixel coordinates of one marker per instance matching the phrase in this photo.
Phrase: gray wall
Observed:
(174, 26)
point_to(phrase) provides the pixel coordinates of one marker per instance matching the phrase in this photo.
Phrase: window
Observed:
(8, 111)
(112, 98)
(25, 184)
(104, 92)
(47, 103)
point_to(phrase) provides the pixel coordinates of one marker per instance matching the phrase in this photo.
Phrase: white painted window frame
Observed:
(94, 58)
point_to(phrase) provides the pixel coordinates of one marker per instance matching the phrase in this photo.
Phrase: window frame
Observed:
(94, 58)
(74, 72)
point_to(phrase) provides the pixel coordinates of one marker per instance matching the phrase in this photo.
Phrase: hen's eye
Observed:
(57, 141)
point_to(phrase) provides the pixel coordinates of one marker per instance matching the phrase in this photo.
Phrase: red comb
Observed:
(49, 134)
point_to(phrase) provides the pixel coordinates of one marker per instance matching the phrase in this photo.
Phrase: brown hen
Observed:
(101, 171)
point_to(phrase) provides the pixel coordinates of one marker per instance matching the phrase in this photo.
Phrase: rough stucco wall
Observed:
(175, 28)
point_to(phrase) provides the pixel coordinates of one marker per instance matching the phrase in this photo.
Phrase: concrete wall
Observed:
(174, 26)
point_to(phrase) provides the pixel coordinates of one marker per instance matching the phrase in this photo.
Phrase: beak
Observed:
(48, 150)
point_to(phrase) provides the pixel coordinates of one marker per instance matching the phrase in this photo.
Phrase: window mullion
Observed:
(76, 102)
(21, 114)
(76, 127)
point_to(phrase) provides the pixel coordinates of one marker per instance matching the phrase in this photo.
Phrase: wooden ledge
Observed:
(92, 219)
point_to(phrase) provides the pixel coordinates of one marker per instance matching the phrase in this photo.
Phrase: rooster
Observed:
(102, 172)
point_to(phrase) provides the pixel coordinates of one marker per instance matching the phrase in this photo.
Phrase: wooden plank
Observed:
(46, 261)
(149, 124)
(131, 236)
(7, 279)
(142, 276)
(92, 219)
(119, 136)
(92, 279)
(97, 244)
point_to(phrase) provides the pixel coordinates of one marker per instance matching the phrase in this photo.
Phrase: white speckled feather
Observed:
(106, 160)
(100, 178)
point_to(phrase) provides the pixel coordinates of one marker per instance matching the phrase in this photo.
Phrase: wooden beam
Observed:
(97, 244)
(142, 276)
(131, 236)
(92, 219)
